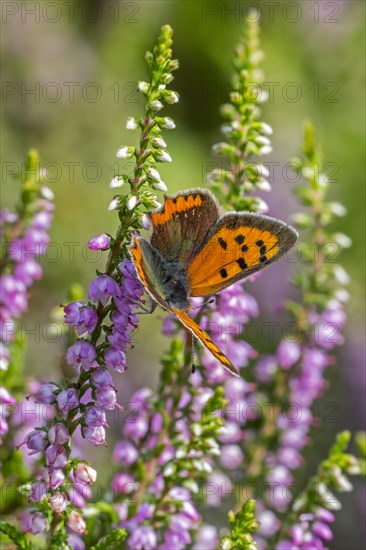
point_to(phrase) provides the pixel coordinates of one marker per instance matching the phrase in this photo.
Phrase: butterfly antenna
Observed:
(210, 301)
(193, 355)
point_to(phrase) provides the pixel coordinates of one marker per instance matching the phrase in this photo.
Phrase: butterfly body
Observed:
(193, 251)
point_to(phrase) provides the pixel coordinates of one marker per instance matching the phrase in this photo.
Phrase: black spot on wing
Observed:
(242, 263)
(239, 239)
(223, 273)
(244, 248)
(222, 243)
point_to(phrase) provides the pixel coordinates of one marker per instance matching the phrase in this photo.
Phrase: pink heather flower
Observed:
(56, 456)
(288, 353)
(84, 474)
(115, 359)
(58, 434)
(322, 530)
(103, 288)
(143, 538)
(75, 542)
(102, 378)
(34, 523)
(231, 456)
(42, 220)
(76, 523)
(6, 398)
(46, 394)
(125, 453)
(67, 400)
(38, 491)
(36, 441)
(55, 478)
(95, 416)
(27, 272)
(100, 242)
(81, 353)
(123, 483)
(207, 538)
(95, 434)
(83, 318)
(58, 502)
(106, 397)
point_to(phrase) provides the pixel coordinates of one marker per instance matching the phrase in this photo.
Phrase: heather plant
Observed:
(201, 440)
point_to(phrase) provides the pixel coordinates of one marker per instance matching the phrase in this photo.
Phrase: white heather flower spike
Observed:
(131, 203)
(113, 205)
(164, 156)
(153, 174)
(265, 150)
(131, 123)
(122, 153)
(116, 182)
(156, 105)
(266, 128)
(168, 123)
(161, 186)
(262, 140)
(143, 86)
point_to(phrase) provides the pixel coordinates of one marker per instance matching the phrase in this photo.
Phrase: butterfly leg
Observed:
(144, 310)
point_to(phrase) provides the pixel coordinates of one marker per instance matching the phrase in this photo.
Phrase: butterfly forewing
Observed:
(237, 246)
(182, 223)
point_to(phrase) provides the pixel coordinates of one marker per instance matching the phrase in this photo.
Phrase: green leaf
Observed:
(112, 541)
(15, 535)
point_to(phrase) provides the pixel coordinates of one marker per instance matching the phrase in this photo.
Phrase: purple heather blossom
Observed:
(27, 272)
(81, 353)
(58, 434)
(207, 538)
(46, 394)
(56, 456)
(36, 441)
(125, 453)
(115, 359)
(55, 477)
(102, 378)
(34, 522)
(102, 288)
(142, 538)
(95, 416)
(38, 491)
(82, 317)
(106, 397)
(288, 353)
(123, 483)
(100, 242)
(58, 502)
(231, 456)
(84, 474)
(67, 400)
(76, 523)
(95, 434)
(75, 542)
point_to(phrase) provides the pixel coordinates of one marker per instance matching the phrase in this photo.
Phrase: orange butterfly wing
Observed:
(205, 339)
(237, 246)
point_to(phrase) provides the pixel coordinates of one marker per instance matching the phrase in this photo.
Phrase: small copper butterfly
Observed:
(193, 251)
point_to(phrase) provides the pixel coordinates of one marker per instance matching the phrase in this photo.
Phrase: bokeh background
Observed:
(69, 82)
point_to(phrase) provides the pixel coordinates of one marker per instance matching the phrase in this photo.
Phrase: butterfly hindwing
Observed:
(182, 223)
(238, 245)
(203, 337)
(150, 268)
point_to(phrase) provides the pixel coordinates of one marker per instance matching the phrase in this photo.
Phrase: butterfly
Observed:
(195, 251)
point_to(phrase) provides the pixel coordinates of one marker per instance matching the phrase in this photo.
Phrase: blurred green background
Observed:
(68, 85)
